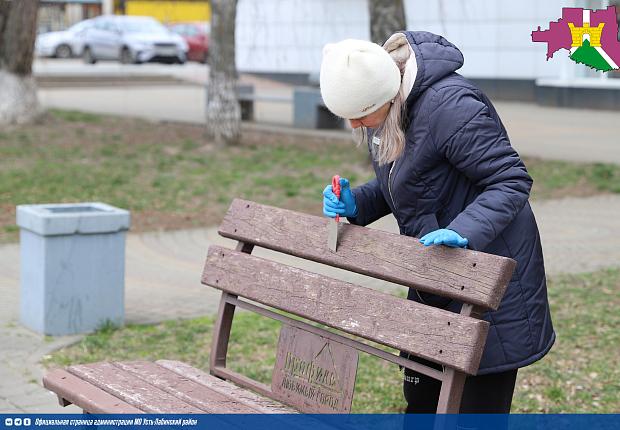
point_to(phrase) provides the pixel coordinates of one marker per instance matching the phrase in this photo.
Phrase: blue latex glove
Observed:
(345, 206)
(444, 236)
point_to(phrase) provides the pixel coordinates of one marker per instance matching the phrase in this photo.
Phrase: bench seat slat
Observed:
(197, 393)
(473, 277)
(85, 395)
(435, 334)
(131, 389)
(243, 396)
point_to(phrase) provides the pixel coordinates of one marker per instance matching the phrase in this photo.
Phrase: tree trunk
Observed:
(223, 111)
(18, 21)
(386, 18)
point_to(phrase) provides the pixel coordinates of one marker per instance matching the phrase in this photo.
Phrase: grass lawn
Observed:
(169, 177)
(166, 174)
(581, 374)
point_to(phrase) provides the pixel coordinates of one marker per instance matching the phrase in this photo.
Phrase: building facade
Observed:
(59, 14)
(285, 37)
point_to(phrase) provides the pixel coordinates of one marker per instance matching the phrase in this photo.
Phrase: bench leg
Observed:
(63, 402)
(451, 392)
(223, 323)
(221, 332)
(454, 382)
(247, 110)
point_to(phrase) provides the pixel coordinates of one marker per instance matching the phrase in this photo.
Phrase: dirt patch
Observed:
(580, 189)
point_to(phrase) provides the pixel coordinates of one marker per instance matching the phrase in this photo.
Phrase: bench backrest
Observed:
(455, 341)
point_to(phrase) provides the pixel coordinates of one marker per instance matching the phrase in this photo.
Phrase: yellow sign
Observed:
(170, 11)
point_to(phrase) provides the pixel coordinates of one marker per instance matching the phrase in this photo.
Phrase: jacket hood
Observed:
(436, 58)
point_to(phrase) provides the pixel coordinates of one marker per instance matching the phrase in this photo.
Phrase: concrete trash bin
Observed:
(72, 266)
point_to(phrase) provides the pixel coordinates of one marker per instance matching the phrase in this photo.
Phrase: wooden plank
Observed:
(190, 391)
(243, 381)
(437, 335)
(466, 275)
(245, 397)
(132, 389)
(360, 346)
(72, 389)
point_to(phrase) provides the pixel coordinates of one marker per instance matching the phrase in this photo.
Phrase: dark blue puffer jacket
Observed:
(460, 172)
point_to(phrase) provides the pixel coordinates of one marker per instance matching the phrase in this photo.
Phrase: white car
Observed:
(63, 44)
(132, 39)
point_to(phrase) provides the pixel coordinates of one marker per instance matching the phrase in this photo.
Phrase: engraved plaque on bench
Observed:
(314, 374)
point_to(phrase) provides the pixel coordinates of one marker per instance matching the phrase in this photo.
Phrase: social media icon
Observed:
(8, 422)
(17, 422)
(27, 421)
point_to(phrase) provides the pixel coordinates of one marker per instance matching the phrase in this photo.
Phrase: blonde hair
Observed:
(391, 134)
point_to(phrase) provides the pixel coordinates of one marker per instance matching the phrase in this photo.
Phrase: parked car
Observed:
(63, 44)
(132, 39)
(196, 34)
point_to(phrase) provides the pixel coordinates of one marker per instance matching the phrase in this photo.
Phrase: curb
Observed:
(81, 81)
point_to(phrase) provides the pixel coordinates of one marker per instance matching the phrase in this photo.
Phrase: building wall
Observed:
(58, 15)
(51, 17)
(495, 37)
(287, 36)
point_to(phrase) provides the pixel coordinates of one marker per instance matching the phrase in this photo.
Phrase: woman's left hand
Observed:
(444, 237)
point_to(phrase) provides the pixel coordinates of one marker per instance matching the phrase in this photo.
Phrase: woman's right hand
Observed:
(345, 206)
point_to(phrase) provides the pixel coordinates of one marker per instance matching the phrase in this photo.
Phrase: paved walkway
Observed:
(556, 133)
(163, 273)
(562, 134)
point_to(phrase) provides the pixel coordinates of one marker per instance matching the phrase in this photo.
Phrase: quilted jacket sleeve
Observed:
(477, 145)
(371, 204)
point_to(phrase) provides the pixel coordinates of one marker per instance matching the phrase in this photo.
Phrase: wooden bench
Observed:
(309, 110)
(316, 364)
(247, 97)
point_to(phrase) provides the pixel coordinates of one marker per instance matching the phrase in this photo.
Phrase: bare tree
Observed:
(223, 111)
(386, 18)
(18, 96)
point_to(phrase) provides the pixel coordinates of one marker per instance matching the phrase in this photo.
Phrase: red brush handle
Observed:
(336, 190)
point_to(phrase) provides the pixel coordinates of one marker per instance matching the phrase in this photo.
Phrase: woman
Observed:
(445, 168)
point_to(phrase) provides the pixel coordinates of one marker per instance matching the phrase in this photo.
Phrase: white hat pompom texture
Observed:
(357, 78)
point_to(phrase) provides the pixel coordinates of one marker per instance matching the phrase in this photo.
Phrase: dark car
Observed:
(196, 34)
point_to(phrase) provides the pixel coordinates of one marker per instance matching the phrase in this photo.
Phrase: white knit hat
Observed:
(357, 78)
